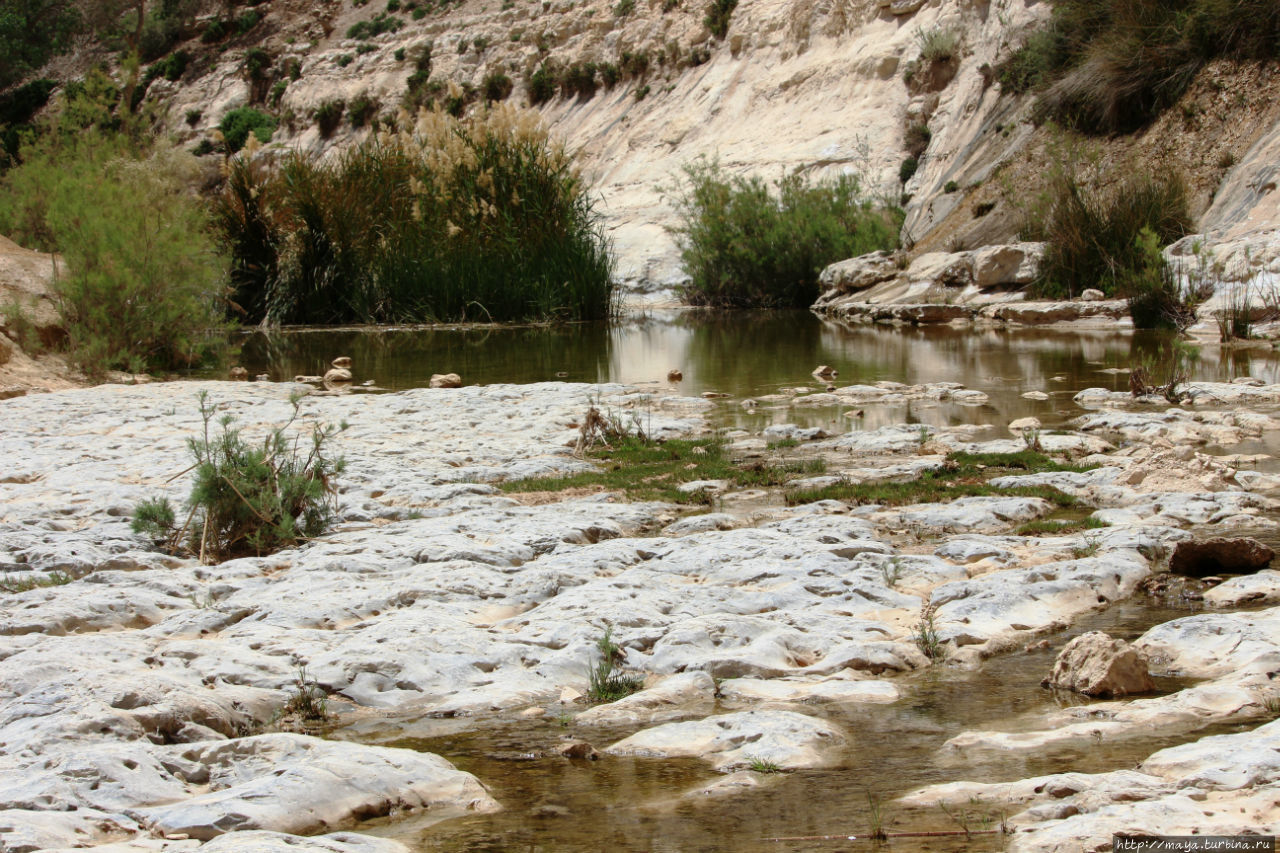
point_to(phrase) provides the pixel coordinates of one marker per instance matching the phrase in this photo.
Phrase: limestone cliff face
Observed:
(821, 86)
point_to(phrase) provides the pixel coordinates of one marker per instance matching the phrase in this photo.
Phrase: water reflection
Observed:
(757, 354)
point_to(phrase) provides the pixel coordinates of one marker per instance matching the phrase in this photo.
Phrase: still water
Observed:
(636, 804)
(754, 354)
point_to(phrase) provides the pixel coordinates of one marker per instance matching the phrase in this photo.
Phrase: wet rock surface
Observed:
(133, 690)
(1098, 665)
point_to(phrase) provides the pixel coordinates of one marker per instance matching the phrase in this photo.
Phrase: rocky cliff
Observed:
(819, 86)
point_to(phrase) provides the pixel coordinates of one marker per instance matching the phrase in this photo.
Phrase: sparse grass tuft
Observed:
(32, 580)
(606, 684)
(926, 633)
(756, 764)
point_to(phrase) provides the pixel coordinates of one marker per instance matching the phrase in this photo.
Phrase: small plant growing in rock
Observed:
(1088, 547)
(248, 499)
(606, 684)
(1031, 438)
(891, 571)
(875, 818)
(33, 580)
(926, 633)
(762, 765)
(308, 701)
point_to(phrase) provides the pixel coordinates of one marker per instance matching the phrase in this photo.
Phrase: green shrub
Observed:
(908, 169)
(445, 220)
(1113, 65)
(247, 21)
(745, 246)
(1092, 238)
(381, 23)
(247, 499)
(171, 67)
(578, 79)
(717, 17)
(215, 31)
(142, 284)
(329, 116)
(606, 684)
(240, 122)
(1156, 298)
(950, 187)
(17, 108)
(917, 139)
(362, 109)
(31, 32)
(497, 86)
(344, 60)
(938, 44)
(541, 85)
(610, 74)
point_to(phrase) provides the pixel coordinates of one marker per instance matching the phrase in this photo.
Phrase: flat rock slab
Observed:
(836, 690)
(297, 784)
(788, 740)
(259, 842)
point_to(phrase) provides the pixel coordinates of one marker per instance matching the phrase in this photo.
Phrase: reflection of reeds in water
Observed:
(476, 220)
(406, 358)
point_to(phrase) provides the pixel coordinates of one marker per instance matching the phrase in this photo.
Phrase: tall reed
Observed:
(441, 219)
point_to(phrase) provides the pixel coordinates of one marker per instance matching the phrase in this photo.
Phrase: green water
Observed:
(754, 354)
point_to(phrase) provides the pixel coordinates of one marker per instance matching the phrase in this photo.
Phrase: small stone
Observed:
(579, 749)
(262, 377)
(714, 395)
(1021, 425)
(674, 375)
(337, 376)
(1092, 295)
(342, 361)
(239, 374)
(532, 713)
(823, 371)
(446, 380)
(1035, 395)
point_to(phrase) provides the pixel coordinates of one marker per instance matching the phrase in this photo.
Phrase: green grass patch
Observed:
(963, 475)
(32, 580)
(649, 470)
(1056, 526)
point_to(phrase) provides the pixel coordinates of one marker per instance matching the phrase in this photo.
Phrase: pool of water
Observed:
(635, 804)
(753, 354)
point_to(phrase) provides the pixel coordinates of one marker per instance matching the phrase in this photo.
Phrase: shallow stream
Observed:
(635, 804)
(624, 804)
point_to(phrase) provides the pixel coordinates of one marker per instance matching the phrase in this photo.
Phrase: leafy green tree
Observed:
(31, 31)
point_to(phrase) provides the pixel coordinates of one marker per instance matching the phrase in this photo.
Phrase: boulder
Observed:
(1013, 264)
(1092, 295)
(1218, 555)
(825, 371)
(674, 375)
(238, 374)
(337, 376)
(945, 269)
(343, 362)
(858, 273)
(446, 380)
(1096, 664)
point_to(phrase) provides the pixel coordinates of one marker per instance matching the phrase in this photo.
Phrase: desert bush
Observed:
(1157, 300)
(579, 78)
(142, 284)
(938, 44)
(541, 85)
(497, 86)
(1093, 237)
(440, 220)
(379, 24)
(362, 109)
(237, 124)
(744, 245)
(717, 16)
(246, 498)
(917, 138)
(908, 169)
(1113, 65)
(329, 116)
